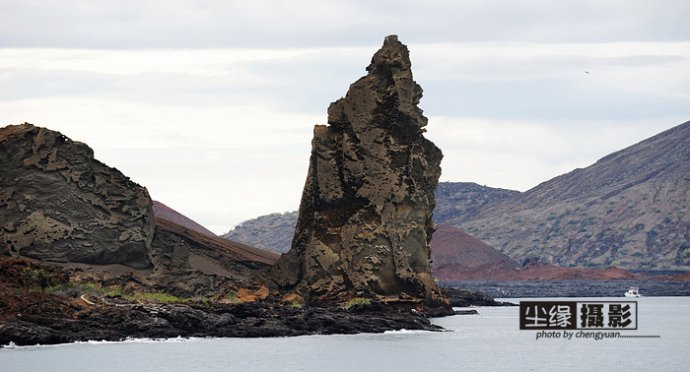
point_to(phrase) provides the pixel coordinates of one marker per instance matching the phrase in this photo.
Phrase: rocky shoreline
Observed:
(78, 306)
(47, 319)
(35, 318)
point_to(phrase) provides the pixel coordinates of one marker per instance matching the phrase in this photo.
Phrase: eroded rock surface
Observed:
(365, 219)
(187, 262)
(59, 204)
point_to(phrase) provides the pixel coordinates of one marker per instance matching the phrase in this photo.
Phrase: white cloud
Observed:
(195, 62)
(223, 134)
(300, 23)
(519, 155)
(219, 166)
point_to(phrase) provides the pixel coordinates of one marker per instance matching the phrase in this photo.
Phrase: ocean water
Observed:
(490, 341)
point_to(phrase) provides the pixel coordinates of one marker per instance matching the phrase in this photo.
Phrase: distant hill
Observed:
(273, 232)
(630, 209)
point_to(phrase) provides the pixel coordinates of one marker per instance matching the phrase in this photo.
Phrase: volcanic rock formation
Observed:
(365, 218)
(59, 204)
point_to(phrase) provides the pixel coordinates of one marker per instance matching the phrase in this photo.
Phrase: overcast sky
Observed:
(211, 104)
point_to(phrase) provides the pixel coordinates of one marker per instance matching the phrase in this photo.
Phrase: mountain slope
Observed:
(163, 211)
(630, 209)
(461, 201)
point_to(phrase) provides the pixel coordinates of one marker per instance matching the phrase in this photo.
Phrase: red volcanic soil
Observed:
(458, 255)
(161, 210)
(683, 277)
(544, 271)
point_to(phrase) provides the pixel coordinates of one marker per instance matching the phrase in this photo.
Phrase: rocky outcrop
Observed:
(59, 204)
(466, 298)
(54, 319)
(365, 219)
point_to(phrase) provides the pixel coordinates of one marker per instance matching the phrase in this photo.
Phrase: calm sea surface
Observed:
(490, 341)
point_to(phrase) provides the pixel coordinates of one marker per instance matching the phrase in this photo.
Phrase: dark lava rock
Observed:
(117, 321)
(365, 219)
(465, 298)
(59, 204)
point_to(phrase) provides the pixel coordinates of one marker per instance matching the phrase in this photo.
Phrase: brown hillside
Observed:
(631, 209)
(217, 246)
(163, 211)
(455, 253)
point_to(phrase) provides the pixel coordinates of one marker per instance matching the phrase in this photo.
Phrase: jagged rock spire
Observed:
(365, 219)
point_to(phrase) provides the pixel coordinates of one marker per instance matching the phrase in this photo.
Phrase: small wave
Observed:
(144, 340)
(406, 332)
(128, 340)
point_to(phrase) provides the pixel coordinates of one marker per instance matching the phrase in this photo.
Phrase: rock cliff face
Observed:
(59, 204)
(365, 222)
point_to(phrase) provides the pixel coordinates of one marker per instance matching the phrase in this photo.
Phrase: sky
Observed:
(211, 104)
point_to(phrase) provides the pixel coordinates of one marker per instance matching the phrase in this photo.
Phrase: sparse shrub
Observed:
(230, 298)
(34, 278)
(356, 301)
(295, 305)
(75, 290)
(155, 297)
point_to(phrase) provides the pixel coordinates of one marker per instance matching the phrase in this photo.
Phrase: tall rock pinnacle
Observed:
(365, 218)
